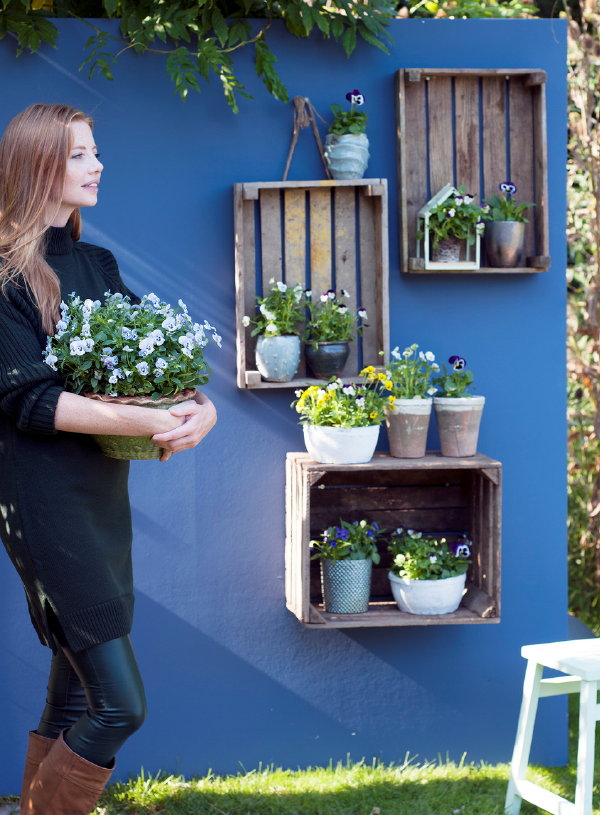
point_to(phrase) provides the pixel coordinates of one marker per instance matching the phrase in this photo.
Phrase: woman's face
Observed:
(82, 175)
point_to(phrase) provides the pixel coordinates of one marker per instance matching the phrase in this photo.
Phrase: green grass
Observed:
(359, 788)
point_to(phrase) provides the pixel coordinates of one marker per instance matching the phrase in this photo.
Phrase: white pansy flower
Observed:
(281, 286)
(77, 347)
(142, 368)
(333, 386)
(51, 360)
(271, 328)
(161, 363)
(431, 391)
(429, 356)
(396, 353)
(245, 321)
(452, 212)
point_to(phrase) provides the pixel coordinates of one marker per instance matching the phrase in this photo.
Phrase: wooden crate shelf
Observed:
(435, 494)
(475, 128)
(323, 235)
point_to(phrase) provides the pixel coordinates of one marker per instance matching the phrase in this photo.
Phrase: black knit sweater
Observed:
(64, 507)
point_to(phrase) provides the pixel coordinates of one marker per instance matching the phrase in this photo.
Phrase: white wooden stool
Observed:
(580, 660)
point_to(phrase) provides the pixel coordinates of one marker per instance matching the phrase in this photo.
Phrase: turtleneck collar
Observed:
(59, 240)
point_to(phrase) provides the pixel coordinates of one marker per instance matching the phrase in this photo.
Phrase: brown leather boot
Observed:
(37, 750)
(65, 783)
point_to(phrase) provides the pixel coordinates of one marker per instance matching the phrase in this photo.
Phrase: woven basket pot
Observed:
(135, 447)
(346, 585)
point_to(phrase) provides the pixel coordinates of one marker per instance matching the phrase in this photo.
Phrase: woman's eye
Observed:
(77, 155)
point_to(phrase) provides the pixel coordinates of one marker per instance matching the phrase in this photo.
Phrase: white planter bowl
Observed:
(428, 596)
(341, 445)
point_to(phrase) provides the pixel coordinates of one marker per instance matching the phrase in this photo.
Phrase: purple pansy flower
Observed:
(508, 187)
(355, 97)
(458, 363)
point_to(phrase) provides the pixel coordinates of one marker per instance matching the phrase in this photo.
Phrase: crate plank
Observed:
(522, 170)
(482, 125)
(441, 160)
(270, 237)
(345, 256)
(472, 506)
(294, 236)
(320, 239)
(466, 93)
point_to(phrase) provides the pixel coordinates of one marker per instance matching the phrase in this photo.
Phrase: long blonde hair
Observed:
(33, 159)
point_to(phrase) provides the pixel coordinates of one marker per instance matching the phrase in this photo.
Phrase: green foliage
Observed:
(456, 217)
(124, 349)
(348, 541)
(409, 372)
(329, 319)
(422, 557)
(279, 313)
(504, 207)
(471, 8)
(454, 382)
(199, 37)
(349, 121)
(340, 405)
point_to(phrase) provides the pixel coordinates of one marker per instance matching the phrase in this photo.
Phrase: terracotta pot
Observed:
(458, 421)
(407, 424)
(135, 447)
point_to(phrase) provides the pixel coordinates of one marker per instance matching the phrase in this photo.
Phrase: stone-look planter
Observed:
(428, 596)
(504, 242)
(458, 421)
(327, 359)
(135, 447)
(341, 445)
(347, 155)
(278, 358)
(346, 585)
(407, 425)
(447, 250)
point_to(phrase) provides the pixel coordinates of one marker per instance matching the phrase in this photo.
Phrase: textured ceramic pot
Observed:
(341, 445)
(503, 242)
(458, 421)
(407, 424)
(428, 596)
(278, 358)
(327, 359)
(446, 251)
(135, 447)
(347, 155)
(346, 585)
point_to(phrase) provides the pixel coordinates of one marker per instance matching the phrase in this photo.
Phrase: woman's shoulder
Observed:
(97, 253)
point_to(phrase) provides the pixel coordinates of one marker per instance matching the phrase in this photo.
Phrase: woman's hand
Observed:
(199, 417)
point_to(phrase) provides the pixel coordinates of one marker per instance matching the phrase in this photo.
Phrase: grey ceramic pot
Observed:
(503, 242)
(327, 359)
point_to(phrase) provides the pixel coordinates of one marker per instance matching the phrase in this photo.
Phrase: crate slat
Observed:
(322, 235)
(483, 126)
(382, 491)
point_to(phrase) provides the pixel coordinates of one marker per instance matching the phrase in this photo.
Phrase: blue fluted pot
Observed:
(327, 359)
(278, 358)
(346, 585)
(347, 155)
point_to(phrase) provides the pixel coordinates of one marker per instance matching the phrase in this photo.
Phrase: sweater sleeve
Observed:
(29, 389)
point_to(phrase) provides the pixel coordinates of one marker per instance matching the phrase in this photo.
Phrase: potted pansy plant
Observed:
(457, 411)
(330, 328)
(346, 143)
(428, 574)
(347, 552)
(340, 421)
(504, 236)
(147, 353)
(453, 222)
(278, 324)
(406, 382)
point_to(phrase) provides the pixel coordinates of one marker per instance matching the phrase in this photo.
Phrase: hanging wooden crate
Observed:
(477, 129)
(435, 494)
(322, 235)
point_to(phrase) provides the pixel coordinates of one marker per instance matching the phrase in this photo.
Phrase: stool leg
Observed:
(585, 748)
(522, 748)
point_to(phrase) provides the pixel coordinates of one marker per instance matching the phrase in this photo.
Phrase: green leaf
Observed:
(220, 26)
(111, 7)
(349, 40)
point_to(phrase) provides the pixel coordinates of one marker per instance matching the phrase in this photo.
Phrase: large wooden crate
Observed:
(323, 235)
(475, 128)
(435, 494)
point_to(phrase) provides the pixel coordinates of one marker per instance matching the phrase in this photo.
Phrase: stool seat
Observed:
(579, 660)
(576, 657)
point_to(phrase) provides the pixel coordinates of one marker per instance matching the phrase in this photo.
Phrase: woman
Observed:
(65, 515)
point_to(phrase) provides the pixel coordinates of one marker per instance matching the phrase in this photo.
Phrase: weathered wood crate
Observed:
(435, 494)
(475, 128)
(323, 235)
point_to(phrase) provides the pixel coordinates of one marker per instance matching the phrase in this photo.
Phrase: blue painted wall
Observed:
(232, 677)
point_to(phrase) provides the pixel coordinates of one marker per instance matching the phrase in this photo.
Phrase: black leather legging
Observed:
(96, 695)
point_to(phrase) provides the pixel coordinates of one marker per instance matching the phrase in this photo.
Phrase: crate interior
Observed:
(323, 235)
(443, 503)
(475, 129)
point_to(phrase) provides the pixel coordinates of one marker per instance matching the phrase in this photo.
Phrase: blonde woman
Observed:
(65, 519)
